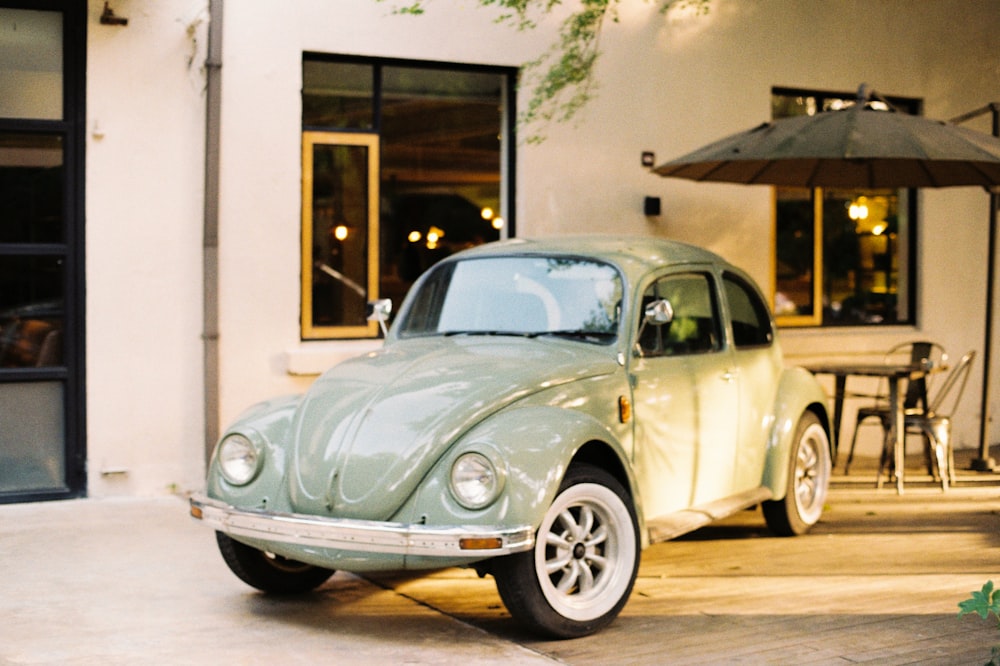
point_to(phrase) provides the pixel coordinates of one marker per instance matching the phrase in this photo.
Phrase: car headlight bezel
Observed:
(475, 480)
(240, 458)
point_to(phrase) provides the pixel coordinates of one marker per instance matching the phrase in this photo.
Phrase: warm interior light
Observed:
(858, 209)
(414, 237)
(340, 232)
(497, 223)
(879, 229)
(486, 213)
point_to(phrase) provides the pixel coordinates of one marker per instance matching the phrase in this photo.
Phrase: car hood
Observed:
(370, 428)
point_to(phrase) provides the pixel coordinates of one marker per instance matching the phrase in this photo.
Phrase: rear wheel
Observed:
(269, 572)
(581, 570)
(808, 481)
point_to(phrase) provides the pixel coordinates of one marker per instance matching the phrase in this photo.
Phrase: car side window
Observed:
(694, 328)
(751, 322)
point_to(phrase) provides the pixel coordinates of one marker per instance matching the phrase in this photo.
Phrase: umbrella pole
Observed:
(984, 463)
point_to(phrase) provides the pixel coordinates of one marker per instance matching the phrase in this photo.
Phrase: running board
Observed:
(673, 525)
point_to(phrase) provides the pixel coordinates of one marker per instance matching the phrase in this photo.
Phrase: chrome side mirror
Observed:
(659, 312)
(379, 311)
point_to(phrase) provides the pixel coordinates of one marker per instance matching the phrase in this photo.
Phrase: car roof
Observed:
(635, 255)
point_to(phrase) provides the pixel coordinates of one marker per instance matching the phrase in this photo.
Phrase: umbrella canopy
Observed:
(862, 148)
(857, 147)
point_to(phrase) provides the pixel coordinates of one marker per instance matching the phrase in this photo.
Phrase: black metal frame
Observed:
(71, 128)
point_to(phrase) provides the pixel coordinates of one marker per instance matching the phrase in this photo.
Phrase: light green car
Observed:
(541, 411)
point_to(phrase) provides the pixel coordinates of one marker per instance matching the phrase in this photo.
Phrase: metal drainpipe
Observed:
(210, 233)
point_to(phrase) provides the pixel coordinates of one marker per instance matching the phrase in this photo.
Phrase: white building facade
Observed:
(194, 146)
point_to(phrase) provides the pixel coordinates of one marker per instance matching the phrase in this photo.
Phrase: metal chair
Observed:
(920, 353)
(935, 422)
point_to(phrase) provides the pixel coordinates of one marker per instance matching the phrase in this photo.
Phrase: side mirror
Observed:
(379, 311)
(659, 312)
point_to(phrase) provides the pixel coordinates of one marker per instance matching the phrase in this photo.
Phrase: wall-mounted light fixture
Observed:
(108, 16)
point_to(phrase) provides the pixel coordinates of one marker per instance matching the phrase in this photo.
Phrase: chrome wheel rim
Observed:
(585, 552)
(812, 473)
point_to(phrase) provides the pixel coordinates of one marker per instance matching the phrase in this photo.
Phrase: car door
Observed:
(685, 397)
(759, 363)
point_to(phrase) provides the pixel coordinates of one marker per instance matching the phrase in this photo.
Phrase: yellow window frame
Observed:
(816, 318)
(310, 330)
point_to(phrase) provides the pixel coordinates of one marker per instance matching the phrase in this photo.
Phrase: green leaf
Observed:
(983, 602)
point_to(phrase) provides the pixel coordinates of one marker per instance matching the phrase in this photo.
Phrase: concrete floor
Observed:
(136, 581)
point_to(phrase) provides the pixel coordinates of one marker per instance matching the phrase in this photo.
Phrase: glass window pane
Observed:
(31, 64)
(861, 247)
(441, 161)
(31, 198)
(694, 327)
(337, 95)
(31, 439)
(31, 311)
(340, 235)
(863, 275)
(748, 314)
(795, 253)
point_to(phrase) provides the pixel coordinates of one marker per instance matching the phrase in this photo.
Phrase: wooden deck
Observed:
(878, 580)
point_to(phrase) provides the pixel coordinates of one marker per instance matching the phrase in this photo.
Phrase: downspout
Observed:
(210, 233)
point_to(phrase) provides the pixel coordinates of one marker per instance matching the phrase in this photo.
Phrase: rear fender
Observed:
(798, 392)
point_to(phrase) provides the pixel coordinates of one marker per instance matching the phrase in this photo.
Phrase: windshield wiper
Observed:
(577, 334)
(474, 332)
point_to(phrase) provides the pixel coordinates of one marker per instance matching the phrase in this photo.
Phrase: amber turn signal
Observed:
(624, 409)
(487, 543)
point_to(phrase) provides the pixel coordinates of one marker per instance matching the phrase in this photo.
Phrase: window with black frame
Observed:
(404, 163)
(843, 257)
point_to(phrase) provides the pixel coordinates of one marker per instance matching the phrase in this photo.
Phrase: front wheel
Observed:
(580, 572)
(269, 572)
(808, 481)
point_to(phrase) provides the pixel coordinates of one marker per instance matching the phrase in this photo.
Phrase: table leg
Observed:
(838, 413)
(898, 431)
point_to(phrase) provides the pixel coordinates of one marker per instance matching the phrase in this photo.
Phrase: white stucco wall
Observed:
(145, 177)
(665, 84)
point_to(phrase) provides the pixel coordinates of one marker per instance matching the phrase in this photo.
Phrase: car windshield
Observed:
(529, 296)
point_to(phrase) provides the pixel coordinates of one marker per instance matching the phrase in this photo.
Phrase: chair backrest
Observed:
(918, 352)
(948, 395)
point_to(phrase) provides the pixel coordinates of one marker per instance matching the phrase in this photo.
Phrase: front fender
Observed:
(531, 447)
(798, 392)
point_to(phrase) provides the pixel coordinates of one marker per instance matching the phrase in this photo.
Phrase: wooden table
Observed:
(893, 372)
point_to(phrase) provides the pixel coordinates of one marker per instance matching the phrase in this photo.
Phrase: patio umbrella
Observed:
(857, 147)
(862, 148)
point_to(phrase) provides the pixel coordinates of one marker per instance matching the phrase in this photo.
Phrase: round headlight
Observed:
(239, 459)
(474, 480)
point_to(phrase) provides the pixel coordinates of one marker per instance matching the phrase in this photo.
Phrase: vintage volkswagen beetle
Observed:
(541, 410)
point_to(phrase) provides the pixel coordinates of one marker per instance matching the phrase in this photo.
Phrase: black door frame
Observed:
(72, 130)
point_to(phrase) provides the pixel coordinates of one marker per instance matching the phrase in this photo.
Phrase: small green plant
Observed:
(984, 602)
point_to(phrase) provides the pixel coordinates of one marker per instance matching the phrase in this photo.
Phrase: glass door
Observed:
(41, 447)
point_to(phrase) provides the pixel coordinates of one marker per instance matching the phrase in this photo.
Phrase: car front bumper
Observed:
(361, 536)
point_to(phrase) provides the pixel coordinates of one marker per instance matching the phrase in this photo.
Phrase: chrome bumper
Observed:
(360, 535)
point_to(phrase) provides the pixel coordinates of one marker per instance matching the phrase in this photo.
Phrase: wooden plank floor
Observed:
(877, 581)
